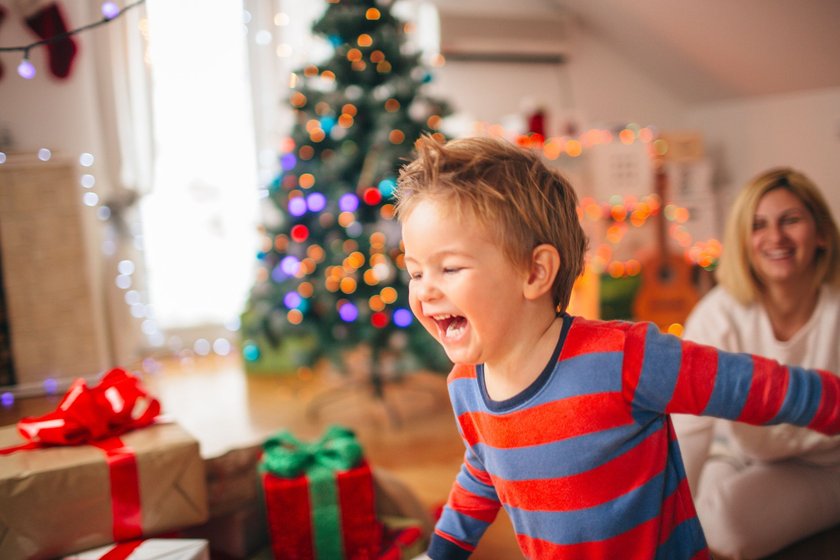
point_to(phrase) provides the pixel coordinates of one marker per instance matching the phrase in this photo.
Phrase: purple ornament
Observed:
(26, 70)
(348, 312)
(316, 202)
(110, 10)
(348, 202)
(297, 206)
(402, 317)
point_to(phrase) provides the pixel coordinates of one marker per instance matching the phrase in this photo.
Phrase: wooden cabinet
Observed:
(55, 312)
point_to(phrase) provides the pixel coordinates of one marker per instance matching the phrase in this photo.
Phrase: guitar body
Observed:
(667, 293)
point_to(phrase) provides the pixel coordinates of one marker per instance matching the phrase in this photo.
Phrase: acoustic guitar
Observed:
(666, 294)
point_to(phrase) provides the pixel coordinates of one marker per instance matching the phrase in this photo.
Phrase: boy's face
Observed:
(463, 289)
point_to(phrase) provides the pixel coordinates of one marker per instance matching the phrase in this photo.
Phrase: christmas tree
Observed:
(331, 274)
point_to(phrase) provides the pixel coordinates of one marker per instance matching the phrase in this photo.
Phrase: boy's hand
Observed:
(421, 557)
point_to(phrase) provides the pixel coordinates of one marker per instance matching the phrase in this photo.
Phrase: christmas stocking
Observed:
(46, 19)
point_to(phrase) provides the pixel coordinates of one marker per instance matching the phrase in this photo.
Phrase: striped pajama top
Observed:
(585, 460)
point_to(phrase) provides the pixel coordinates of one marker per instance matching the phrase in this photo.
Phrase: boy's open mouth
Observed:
(450, 326)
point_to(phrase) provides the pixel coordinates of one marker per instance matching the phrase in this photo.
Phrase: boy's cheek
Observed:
(427, 323)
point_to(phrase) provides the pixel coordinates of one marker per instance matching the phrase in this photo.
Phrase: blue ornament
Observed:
(327, 123)
(387, 187)
(251, 352)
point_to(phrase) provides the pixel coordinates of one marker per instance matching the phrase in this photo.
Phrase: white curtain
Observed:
(123, 91)
(279, 42)
(199, 218)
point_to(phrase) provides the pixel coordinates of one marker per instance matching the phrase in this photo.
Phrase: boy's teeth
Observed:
(453, 329)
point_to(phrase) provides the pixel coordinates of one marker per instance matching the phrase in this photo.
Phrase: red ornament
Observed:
(300, 233)
(372, 196)
(379, 319)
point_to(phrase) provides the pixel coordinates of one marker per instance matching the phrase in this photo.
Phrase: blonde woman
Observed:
(759, 489)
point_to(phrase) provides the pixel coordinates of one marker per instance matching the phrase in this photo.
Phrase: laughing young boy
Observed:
(565, 420)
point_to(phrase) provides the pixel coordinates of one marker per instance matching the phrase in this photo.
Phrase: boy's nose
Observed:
(426, 290)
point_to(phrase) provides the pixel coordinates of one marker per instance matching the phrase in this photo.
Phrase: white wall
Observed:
(746, 137)
(600, 86)
(46, 112)
(595, 87)
(607, 87)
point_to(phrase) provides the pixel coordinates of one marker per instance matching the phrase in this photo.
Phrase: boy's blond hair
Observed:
(509, 191)
(735, 271)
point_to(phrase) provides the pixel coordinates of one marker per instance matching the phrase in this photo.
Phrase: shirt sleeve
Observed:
(665, 374)
(695, 434)
(472, 506)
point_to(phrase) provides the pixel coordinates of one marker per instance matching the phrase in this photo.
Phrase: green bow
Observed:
(287, 456)
(337, 450)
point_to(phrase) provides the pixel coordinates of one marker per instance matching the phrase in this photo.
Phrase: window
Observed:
(199, 220)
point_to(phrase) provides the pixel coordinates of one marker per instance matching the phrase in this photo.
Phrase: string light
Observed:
(26, 69)
(110, 12)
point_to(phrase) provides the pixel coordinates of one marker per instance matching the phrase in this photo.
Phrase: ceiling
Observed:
(705, 50)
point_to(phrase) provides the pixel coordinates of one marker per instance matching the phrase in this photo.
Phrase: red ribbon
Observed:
(118, 404)
(98, 416)
(125, 489)
(122, 551)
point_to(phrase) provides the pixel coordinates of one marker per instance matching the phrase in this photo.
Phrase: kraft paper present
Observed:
(232, 480)
(58, 500)
(151, 549)
(234, 536)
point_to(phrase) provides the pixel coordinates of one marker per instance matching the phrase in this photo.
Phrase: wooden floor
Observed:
(410, 433)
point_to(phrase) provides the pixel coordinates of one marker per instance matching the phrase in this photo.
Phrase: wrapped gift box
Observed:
(59, 500)
(319, 498)
(291, 516)
(232, 480)
(237, 535)
(150, 549)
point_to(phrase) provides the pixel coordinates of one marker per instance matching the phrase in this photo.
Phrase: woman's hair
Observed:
(735, 271)
(507, 190)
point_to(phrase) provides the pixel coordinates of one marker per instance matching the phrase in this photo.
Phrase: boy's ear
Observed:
(544, 266)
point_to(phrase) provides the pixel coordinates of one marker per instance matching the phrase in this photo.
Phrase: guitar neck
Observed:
(660, 188)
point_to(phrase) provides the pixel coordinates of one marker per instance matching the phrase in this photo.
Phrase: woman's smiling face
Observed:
(463, 289)
(784, 239)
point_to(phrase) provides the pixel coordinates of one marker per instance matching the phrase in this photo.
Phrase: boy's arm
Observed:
(666, 374)
(774, 443)
(471, 508)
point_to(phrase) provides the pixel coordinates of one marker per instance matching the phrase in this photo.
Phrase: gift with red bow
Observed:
(101, 468)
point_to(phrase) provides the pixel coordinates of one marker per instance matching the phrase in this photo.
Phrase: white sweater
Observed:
(719, 320)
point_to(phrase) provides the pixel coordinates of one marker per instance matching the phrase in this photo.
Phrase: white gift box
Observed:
(154, 549)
